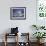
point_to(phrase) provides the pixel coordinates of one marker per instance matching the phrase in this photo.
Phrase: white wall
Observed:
(24, 25)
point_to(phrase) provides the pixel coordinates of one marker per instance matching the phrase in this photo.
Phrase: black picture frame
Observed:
(18, 13)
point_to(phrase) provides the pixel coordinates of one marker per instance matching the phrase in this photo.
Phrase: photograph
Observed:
(18, 13)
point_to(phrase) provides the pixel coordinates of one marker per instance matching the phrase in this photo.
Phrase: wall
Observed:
(24, 25)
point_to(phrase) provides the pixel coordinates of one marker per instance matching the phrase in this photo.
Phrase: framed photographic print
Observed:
(18, 13)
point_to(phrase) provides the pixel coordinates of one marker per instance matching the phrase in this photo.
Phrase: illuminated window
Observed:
(41, 8)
